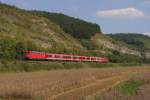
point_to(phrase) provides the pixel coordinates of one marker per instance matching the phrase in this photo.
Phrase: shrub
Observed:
(11, 48)
(7, 49)
(131, 87)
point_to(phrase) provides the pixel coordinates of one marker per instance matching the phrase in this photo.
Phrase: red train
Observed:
(34, 55)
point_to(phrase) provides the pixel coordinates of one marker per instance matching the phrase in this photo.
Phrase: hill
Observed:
(19, 27)
(135, 40)
(76, 27)
(138, 41)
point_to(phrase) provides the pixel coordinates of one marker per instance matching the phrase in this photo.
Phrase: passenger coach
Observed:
(34, 55)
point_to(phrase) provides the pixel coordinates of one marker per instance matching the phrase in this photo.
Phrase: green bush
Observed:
(131, 87)
(117, 57)
(7, 48)
(11, 48)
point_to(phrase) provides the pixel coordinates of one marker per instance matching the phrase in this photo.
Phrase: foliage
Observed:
(30, 66)
(88, 44)
(136, 40)
(131, 87)
(117, 57)
(10, 48)
(7, 49)
(141, 42)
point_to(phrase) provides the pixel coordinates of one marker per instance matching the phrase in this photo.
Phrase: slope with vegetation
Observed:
(135, 40)
(107, 42)
(138, 41)
(19, 28)
(76, 27)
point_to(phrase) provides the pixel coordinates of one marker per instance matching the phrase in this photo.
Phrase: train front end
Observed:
(34, 55)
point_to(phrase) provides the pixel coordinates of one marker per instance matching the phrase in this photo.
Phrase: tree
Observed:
(7, 50)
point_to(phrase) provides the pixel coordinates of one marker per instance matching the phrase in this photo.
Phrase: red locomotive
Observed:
(34, 55)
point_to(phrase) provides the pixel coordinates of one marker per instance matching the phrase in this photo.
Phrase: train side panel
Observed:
(34, 55)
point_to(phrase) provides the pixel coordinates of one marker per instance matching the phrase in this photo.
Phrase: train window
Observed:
(75, 57)
(49, 55)
(88, 58)
(57, 56)
(93, 58)
(81, 57)
(66, 56)
(35, 52)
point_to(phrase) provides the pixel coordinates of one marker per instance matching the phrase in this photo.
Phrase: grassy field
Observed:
(31, 66)
(130, 87)
(137, 88)
(74, 84)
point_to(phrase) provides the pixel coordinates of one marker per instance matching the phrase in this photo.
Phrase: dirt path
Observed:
(82, 92)
(142, 93)
(89, 91)
(64, 84)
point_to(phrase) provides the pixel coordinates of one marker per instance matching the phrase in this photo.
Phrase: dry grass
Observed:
(62, 84)
(143, 92)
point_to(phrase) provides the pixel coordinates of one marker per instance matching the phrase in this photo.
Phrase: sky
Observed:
(114, 16)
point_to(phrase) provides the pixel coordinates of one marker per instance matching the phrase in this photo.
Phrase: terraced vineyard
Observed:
(63, 84)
